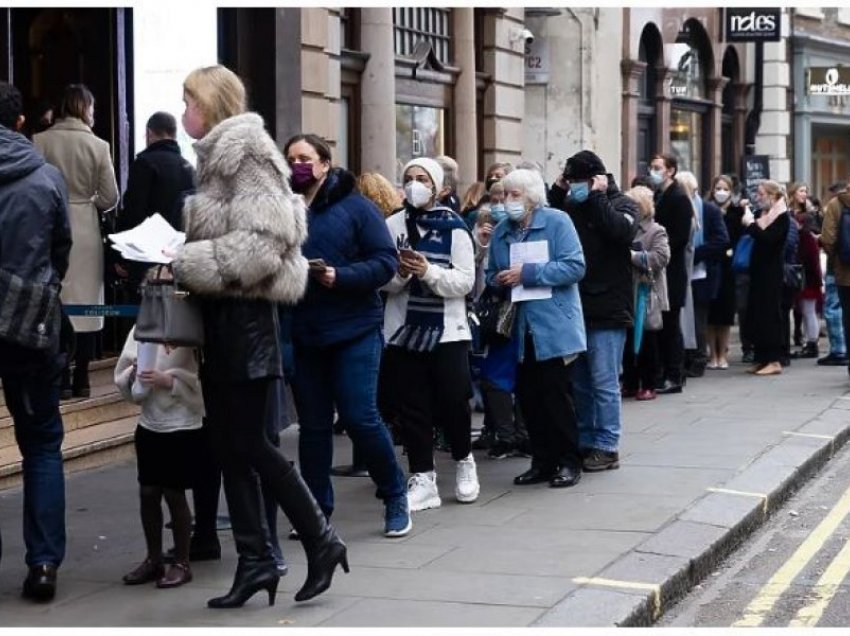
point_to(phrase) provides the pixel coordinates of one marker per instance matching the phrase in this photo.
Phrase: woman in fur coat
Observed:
(244, 230)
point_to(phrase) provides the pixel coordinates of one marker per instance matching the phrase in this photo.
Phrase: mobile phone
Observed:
(318, 264)
(407, 252)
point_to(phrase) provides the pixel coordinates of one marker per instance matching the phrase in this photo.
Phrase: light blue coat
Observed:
(556, 324)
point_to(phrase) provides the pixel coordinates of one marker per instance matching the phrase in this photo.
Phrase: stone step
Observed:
(105, 405)
(89, 447)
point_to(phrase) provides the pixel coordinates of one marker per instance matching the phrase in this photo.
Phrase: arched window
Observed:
(649, 52)
(731, 71)
(690, 108)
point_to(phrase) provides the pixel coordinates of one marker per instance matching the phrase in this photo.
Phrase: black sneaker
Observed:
(749, 357)
(500, 450)
(834, 360)
(598, 461)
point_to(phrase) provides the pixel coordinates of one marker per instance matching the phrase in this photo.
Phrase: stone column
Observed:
(739, 122)
(377, 89)
(663, 104)
(632, 71)
(465, 112)
(715, 86)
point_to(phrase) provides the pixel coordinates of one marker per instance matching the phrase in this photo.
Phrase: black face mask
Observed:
(489, 183)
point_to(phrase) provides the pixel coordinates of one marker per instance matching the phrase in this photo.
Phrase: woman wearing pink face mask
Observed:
(336, 329)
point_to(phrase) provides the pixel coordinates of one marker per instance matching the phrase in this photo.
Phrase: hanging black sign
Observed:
(756, 168)
(753, 24)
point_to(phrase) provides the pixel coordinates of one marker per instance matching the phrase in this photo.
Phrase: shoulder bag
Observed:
(30, 315)
(168, 315)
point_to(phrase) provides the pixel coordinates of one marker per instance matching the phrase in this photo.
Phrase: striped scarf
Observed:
(424, 321)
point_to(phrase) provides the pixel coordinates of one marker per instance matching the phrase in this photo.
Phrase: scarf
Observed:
(699, 236)
(424, 321)
(768, 217)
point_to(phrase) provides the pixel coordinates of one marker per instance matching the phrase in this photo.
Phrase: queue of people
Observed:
(379, 306)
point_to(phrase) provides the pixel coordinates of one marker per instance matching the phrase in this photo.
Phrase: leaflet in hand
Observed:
(145, 242)
(530, 252)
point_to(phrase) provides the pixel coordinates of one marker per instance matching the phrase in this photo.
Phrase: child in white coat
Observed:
(164, 380)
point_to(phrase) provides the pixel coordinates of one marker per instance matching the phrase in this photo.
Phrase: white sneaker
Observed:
(466, 476)
(422, 492)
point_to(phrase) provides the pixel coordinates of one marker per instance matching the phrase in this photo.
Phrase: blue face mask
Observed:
(656, 176)
(579, 192)
(515, 210)
(498, 213)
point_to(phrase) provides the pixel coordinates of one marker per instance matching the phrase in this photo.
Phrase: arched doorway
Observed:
(730, 145)
(692, 61)
(649, 53)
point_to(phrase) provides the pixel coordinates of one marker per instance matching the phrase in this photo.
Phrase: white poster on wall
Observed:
(537, 61)
(169, 40)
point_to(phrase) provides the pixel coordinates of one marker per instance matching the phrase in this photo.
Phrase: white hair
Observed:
(531, 184)
(688, 181)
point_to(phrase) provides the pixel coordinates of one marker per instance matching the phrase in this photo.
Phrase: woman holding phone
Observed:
(337, 329)
(428, 335)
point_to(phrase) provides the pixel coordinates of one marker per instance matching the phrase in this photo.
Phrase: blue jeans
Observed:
(344, 375)
(832, 316)
(33, 401)
(596, 389)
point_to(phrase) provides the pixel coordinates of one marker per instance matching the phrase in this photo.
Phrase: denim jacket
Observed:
(556, 324)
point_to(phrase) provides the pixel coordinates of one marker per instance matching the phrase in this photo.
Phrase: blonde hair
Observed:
(773, 189)
(688, 181)
(473, 195)
(219, 93)
(380, 191)
(645, 201)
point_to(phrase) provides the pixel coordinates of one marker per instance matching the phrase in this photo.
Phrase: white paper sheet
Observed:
(146, 242)
(529, 252)
(146, 356)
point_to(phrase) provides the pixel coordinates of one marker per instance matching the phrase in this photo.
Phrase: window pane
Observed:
(420, 132)
(686, 140)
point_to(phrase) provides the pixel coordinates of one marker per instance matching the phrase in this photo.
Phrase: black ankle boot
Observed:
(251, 577)
(324, 549)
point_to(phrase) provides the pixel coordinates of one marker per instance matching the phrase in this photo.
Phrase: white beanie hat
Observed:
(431, 167)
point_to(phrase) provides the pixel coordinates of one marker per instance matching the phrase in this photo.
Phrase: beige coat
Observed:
(86, 163)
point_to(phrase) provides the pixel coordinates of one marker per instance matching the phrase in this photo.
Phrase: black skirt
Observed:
(170, 460)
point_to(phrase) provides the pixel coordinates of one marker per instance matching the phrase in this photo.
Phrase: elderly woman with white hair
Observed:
(426, 362)
(536, 260)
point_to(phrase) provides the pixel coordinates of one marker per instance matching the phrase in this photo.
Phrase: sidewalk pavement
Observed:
(699, 471)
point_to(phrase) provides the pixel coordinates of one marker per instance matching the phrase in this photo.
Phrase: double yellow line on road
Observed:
(808, 616)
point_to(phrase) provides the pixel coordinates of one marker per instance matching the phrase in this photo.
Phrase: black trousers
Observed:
(545, 397)
(641, 372)
(428, 387)
(237, 416)
(502, 414)
(672, 346)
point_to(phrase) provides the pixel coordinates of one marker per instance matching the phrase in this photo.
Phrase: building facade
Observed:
(820, 39)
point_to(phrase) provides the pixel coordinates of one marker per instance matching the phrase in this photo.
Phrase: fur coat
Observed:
(244, 226)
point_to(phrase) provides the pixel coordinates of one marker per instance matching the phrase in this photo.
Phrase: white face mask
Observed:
(721, 196)
(417, 194)
(516, 210)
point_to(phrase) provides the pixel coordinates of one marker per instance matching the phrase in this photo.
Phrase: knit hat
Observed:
(584, 165)
(431, 167)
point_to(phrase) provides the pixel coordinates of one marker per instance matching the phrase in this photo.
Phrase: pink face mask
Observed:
(302, 177)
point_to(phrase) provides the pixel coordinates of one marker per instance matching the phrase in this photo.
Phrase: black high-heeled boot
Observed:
(324, 549)
(256, 569)
(251, 577)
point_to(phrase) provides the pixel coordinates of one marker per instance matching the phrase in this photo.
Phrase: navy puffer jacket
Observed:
(348, 232)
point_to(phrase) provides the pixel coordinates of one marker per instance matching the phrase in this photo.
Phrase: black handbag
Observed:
(30, 314)
(168, 315)
(495, 318)
(794, 277)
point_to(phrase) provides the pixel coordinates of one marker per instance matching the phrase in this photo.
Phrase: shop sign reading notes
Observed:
(530, 252)
(828, 80)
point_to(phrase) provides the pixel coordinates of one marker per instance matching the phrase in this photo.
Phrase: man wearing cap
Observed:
(606, 221)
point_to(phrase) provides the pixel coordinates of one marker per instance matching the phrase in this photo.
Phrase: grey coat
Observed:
(652, 238)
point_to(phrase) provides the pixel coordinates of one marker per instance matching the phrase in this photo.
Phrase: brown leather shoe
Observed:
(146, 572)
(176, 575)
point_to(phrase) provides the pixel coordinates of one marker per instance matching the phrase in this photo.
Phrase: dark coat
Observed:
(673, 210)
(159, 180)
(606, 223)
(349, 233)
(35, 234)
(764, 302)
(712, 252)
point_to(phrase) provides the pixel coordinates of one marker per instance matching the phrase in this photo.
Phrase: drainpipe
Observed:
(754, 118)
